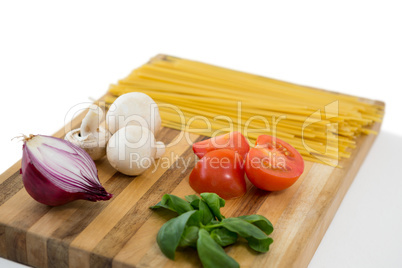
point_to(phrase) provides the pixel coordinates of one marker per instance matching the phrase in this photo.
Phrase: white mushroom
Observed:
(132, 150)
(91, 136)
(134, 108)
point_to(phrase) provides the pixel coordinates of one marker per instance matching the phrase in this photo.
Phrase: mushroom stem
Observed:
(160, 149)
(90, 124)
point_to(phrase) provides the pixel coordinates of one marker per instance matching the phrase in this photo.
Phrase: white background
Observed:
(56, 54)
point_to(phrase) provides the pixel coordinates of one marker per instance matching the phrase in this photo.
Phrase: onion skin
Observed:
(43, 190)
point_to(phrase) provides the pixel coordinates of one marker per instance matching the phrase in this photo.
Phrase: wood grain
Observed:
(122, 232)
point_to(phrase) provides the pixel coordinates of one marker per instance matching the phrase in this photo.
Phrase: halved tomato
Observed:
(273, 164)
(233, 140)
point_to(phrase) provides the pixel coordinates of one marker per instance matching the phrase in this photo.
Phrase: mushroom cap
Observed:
(131, 150)
(95, 147)
(134, 108)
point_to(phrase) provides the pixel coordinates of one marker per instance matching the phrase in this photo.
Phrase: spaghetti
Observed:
(210, 100)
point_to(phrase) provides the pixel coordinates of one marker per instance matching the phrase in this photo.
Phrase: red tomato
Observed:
(234, 141)
(273, 164)
(221, 172)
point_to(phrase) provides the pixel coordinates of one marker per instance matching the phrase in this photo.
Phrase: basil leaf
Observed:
(215, 203)
(191, 198)
(170, 234)
(195, 203)
(260, 221)
(243, 228)
(189, 237)
(173, 203)
(224, 237)
(260, 245)
(195, 219)
(206, 214)
(211, 254)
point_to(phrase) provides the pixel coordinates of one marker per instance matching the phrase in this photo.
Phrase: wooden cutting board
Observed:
(122, 232)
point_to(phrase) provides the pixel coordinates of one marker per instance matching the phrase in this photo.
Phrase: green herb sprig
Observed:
(201, 225)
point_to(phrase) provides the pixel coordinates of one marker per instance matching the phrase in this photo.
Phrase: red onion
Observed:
(55, 172)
